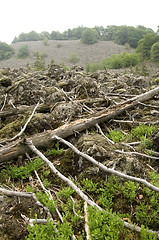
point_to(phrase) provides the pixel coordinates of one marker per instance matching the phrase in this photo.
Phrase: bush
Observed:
(73, 58)
(6, 51)
(23, 52)
(89, 36)
(155, 52)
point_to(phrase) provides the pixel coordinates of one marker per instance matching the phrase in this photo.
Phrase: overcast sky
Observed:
(19, 16)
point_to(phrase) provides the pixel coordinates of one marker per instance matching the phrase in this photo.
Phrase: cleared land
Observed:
(60, 52)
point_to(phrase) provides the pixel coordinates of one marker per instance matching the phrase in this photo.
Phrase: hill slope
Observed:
(60, 52)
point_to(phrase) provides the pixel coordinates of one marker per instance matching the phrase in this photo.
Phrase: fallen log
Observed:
(44, 139)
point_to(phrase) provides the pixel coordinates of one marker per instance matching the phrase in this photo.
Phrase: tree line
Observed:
(119, 34)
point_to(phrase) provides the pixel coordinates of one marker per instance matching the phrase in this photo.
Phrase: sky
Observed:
(19, 16)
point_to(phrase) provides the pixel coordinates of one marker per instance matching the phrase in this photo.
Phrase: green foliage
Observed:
(116, 136)
(129, 190)
(145, 235)
(73, 58)
(45, 200)
(116, 61)
(56, 151)
(24, 172)
(103, 225)
(39, 64)
(65, 193)
(145, 44)
(89, 185)
(154, 54)
(6, 51)
(23, 51)
(142, 131)
(48, 231)
(89, 36)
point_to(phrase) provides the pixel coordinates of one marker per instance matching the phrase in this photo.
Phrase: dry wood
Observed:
(88, 237)
(44, 139)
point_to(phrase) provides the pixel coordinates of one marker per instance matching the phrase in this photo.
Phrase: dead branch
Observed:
(44, 139)
(88, 237)
(137, 153)
(136, 122)
(104, 168)
(5, 98)
(12, 193)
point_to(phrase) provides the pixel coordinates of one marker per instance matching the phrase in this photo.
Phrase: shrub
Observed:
(155, 52)
(73, 58)
(6, 51)
(89, 36)
(23, 52)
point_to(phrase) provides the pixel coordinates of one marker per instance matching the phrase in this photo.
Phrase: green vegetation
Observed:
(145, 44)
(154, 54)
(116, 136)
(23, 51)
(73, 58)
(6, 51)
(56, 151)
(89, 36)
(23, 172)
(122, 60)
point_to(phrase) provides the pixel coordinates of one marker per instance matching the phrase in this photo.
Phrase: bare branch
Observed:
(104, 168)
(88, 236)
(5, 98)
(137, 153)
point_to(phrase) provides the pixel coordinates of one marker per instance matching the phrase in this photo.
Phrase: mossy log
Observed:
(44, 139)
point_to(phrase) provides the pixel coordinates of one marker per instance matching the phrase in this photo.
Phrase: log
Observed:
(44, 139)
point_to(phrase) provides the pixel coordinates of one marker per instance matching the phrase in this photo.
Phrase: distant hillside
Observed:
(61, 50)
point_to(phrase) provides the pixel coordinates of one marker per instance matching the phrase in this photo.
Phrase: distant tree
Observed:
(89, 36)
(155, 52)
(6, 51)
(23, 52)
(145, 44)
(55, 35)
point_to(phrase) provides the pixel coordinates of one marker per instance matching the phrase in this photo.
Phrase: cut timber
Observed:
(44, 139)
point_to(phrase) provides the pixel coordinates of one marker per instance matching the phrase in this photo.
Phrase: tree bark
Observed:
(44, 139)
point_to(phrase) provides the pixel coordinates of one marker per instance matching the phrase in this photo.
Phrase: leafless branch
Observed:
(104, 168)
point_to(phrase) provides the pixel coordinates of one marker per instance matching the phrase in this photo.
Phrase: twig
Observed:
(45, 190)
(25, 125)
(74, 207)
(31, 221)
(88, 236)
(104, 168)
(137, 153)
(135, 122)
(101, 132)
(5, 98)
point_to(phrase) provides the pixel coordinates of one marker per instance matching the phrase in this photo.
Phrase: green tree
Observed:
(155, 52)
(145, 44)
(23, 52)
(6, 51)
(89, 36)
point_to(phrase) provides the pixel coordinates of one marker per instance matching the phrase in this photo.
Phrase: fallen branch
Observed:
(88, 236)
(104, 168)
(5, 98)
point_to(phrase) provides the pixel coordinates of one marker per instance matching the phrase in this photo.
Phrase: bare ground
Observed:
(60, 52)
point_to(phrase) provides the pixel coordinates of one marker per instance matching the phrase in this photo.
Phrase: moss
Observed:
(66, 166)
